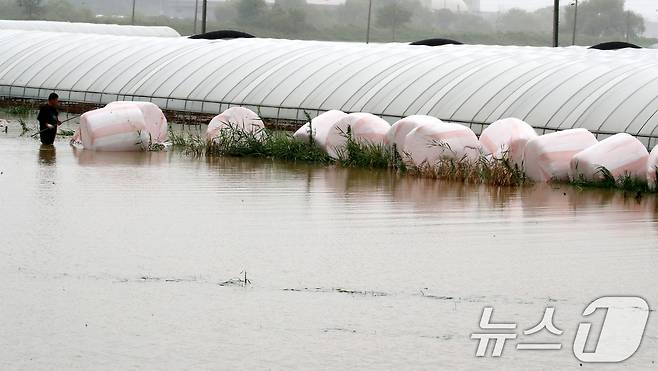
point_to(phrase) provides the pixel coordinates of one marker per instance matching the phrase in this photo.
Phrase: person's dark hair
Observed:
(53, 96)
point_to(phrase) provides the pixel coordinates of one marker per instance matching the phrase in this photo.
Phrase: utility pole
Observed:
(575, 21)
(556, 23)
(368, 27)
(204, 16)
(196, 14)
(628, 26)
(133, 16)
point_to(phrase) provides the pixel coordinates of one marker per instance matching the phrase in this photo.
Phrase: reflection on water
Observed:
(93, 158)
(47, 154)
(116, 258)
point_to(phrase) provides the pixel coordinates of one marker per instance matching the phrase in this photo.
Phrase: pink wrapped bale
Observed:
(427, 144)
(548, 157)
(156, 122)
(116, 128)
(507, 137)
(397, 133)
(364, 128)
(321, 127)
(652, 168)
(235, 117)
(621, 154)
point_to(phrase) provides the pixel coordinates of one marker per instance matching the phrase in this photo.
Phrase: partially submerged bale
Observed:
(321, 125)
(363, 128)
(507, 138)
(397, 134)
(154, 118)
(652, 168)
(117, 128)
(428, 144)
(620, 155)
(235, 118)
(548, 157)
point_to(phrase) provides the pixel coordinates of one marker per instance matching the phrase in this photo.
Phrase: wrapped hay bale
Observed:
(239, 118)
(117, 128)
(548, 157)
(156, 122)
(621, 155)
(397, 134)
(427, 144)
(363, 127)
(652, 168)
(321, 125)
(507, 137)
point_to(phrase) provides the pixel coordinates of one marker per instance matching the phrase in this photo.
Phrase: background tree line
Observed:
(393, 20)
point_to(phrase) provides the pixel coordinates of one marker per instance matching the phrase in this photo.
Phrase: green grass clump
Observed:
(236, 142)
(605, 179)
(21, 110)
(364, 154)
(66, 133)
(484, 170)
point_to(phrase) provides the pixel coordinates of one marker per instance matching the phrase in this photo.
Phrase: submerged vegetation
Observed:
(485, 170)
(607, 180)
(233, 141)
(236, 142)
(20, 110)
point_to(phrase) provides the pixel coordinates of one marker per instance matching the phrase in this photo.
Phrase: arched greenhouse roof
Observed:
(550, 88)
(93, 28)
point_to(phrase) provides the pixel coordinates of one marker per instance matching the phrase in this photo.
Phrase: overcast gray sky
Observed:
(646, 7)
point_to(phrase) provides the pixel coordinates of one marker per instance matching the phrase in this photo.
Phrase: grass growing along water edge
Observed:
(236, 142)
(607, 180)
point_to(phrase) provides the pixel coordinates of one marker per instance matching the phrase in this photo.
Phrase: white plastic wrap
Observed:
(364, 128)
(652, 168)
(117, 128)
(235, 117)
(548, 157)
(156, 122)
(321, 126)
(398, 132)
(429, 143)
(507, 136)
(621, 154)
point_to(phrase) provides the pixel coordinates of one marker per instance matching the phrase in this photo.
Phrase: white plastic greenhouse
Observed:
(606, 92)
(92, 28)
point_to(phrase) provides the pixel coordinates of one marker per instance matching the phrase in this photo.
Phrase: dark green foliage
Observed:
(607, 180)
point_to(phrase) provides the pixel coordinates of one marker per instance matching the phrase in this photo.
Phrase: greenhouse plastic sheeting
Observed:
(606, 92)
(237, 118)
(620, 154)
(507, 138)
(427, 144)
(363, 128)
(548, 157)
(92, 28)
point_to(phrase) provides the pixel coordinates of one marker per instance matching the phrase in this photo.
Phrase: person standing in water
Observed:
(48, 120)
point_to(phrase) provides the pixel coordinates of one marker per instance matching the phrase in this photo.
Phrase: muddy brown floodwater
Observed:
(135, 260)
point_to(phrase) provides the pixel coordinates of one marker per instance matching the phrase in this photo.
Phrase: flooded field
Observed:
(138, 260)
